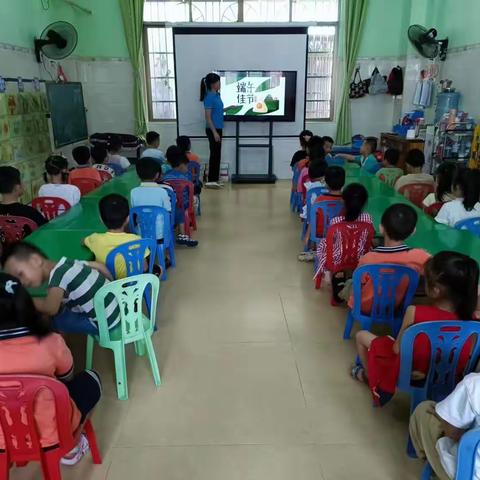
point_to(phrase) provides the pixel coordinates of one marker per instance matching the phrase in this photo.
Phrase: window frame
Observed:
(240, 16)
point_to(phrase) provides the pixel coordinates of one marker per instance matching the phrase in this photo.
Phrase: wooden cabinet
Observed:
(403, 145)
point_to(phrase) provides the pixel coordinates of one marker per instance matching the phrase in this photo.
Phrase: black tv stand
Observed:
(268, 177)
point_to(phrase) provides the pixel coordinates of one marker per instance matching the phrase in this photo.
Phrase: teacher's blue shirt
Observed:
(213, 102)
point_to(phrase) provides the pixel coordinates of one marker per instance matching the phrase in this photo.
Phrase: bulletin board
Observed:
(25, 137)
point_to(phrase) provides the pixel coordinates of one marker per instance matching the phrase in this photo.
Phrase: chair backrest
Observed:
(133, 255)
(116, 168)
(18, 394)
(470, 224)
(106, 176)
(144, 220)
(183, 191)
(416, 192)
(194, 169)
(296, 176)
(389, 176)
(317, 191)
(129, 293)
(85, 185)
(353, 239)
(173, 204)
(467, 454)
(330, 209)
(386, 281)
(433, 209)
(446, 340)
(16, 228)
(50, 207)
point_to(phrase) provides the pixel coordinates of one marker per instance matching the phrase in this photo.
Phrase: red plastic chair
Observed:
(106, 176)
(433, 209)
(85, 185)
(416, 192)
(16, 229)
(50, 207)
(179, 186)
(353, 239)
(17, 421)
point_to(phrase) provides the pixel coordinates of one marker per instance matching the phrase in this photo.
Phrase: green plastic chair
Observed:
(134, 326)
(389, 176)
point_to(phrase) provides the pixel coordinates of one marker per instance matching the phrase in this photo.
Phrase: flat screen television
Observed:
(256, 96)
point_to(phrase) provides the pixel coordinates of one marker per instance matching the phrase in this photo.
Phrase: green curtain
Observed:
(354, 14)
(132, 13)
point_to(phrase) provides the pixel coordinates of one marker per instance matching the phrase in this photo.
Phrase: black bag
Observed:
(128, 141)
(395, 81)
(358, 88)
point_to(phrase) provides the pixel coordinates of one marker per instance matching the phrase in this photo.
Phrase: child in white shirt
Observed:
(153, 150)
(114, 147)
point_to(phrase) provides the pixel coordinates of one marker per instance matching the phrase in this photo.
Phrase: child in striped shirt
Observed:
(72, 285)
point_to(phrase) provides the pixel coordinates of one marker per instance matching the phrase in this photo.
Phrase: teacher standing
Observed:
(212, 102)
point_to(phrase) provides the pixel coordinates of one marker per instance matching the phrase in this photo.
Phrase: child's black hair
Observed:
(392, 156)
(444, 178)
(317, 169)
(399, 221)
(355, 197)
(206, 84)
(328, 139)
(301, 137)
(114, 143)
(21, 251)
(372, 143)
(148, 169)
(81, 154)
(184, 143)
(415, 158)
(17, 309)
(468, 181)
(335, 177)
(457, 275)
(151, 137)
(114, 210)
(56, 165)
(99, 153)
(9, 179)
(175, 157)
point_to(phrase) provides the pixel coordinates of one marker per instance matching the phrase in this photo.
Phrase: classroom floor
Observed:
(255, 373)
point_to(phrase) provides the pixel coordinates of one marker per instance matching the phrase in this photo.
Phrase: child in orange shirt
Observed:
(84, 168)
(397, 224)
(28, 346)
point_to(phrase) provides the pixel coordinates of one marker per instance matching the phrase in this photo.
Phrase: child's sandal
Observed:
(358, 373)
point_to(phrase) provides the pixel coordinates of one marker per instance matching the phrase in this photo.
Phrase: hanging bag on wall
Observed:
(358, 88)
(395, 81)
(378, 83)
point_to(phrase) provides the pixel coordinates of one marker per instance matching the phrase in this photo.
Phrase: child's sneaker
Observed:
(75, 455)
(306, 256)
(186, 240)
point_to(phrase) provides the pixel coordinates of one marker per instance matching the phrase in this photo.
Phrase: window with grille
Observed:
(322, 39)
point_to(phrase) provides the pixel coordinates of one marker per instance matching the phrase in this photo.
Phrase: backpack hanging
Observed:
(395, 81)
(378, 83)
(358, 87)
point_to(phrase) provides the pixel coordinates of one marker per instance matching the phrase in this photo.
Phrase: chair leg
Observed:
(348, 326)
(427, 472)
(153, 361)
(89, 353)
(161, 261)
(140, 348)
(92, 441)
(318, 281)
(120, 371)
(4, 466)
(171, 251)
(51, 466)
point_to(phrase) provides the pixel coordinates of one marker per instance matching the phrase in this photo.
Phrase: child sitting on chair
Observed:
(301, 154)
(84, 168)
(451, 284)
(115, 214)
(327, 147)
(390, 173)
(114, 148)
(29, 346)
(444, 177)
(414, 161)
(366, 159)
(72, 285)
(99, 155)
(56, 176)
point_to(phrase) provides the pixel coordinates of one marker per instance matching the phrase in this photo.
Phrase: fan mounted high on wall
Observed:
(426, 42)
(57, 41)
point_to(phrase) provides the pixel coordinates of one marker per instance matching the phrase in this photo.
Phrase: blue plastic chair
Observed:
(133, 254)
(470, 224)
(295, 197)
(173, 202)
(335, 161)
(317, 191)
(467, 453)
(331, 209)
(194, 171)
(447, 339)
(116, 168)
(144, 219)
(384, 280)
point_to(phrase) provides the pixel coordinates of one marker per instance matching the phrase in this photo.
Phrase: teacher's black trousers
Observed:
(215, 155)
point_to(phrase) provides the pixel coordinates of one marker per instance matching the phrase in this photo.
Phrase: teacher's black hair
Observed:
(206, 84)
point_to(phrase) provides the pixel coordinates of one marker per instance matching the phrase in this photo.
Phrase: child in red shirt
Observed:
(451, 285)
